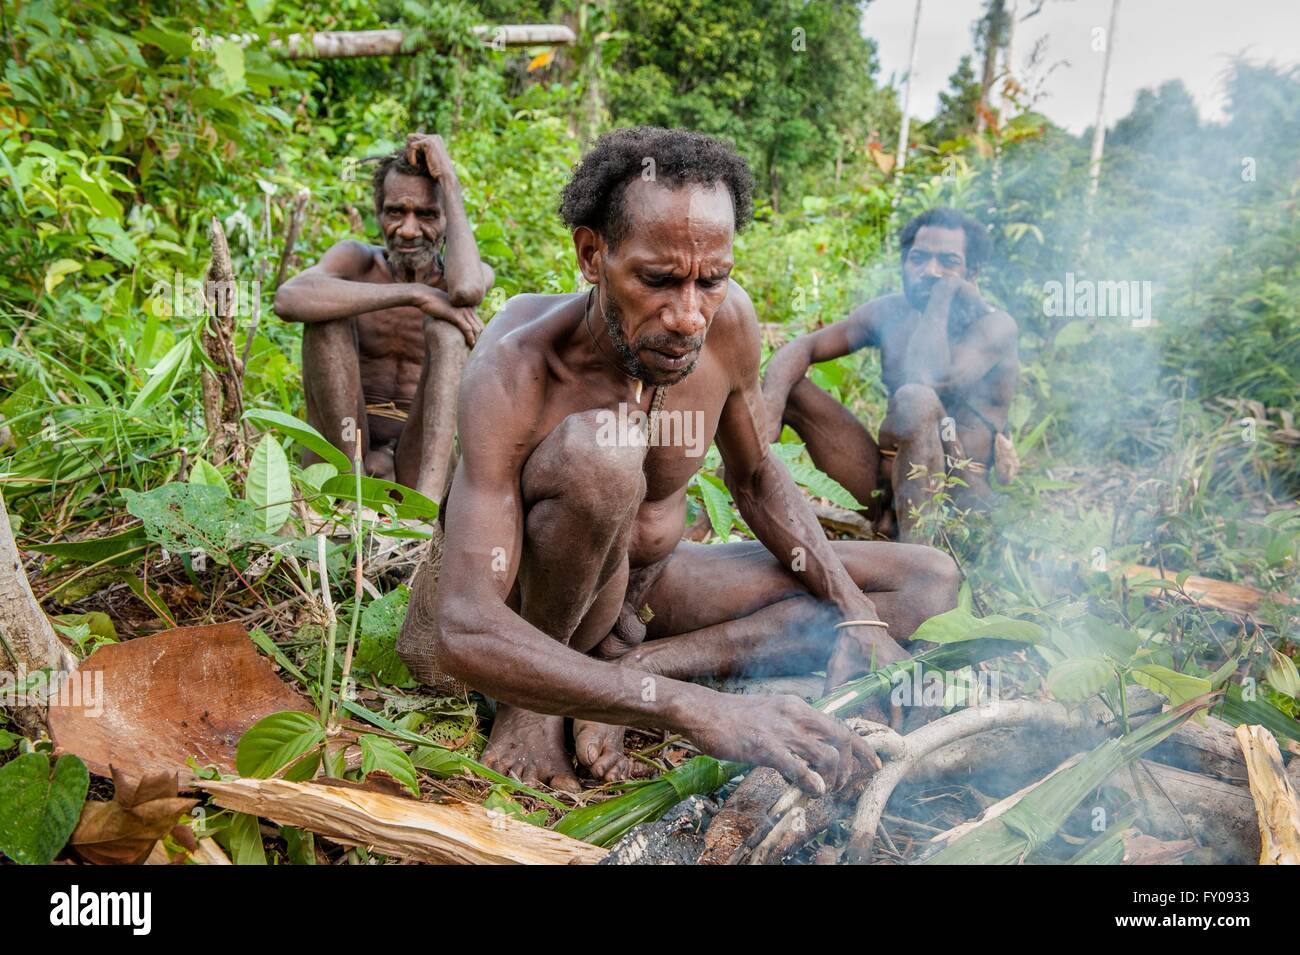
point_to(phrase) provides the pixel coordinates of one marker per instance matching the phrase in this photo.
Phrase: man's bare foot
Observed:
(599, 746)
(380, 463)
(530, 747)
(600, 749)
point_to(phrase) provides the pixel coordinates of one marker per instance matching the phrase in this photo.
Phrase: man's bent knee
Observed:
(586, 457)
(443, 336)
(935, 581)
(914, 408)
(328, 335)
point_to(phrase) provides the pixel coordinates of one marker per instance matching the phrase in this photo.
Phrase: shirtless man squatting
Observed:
(562, 587)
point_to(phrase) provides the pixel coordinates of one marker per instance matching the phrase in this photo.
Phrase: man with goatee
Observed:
(562, 587)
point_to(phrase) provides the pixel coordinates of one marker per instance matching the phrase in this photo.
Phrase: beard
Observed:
(413, 262)
(629, 351)
(918, 293)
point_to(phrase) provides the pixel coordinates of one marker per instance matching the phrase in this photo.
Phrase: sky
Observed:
(1154, 41)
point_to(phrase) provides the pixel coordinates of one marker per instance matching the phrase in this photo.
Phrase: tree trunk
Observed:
(340, 44)
(223, 403)
(901, 159)
(992, 44)
(29, 642)
(1099, 127)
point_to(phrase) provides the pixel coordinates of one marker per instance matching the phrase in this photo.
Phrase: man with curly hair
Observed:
(562, 587)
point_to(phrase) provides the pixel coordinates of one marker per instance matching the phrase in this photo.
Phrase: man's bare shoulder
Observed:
(1000, 325)
(528, 323)
(882, 308)
(737, 315)
(735, 330)
(353, 259)
(517, 347)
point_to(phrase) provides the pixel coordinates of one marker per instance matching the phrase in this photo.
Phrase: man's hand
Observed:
(434, 303)
(434, 152)
(813, 751)
(966, 303)
(859, 650)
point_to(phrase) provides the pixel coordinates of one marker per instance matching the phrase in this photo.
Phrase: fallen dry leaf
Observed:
(167, 697)
(124, 831)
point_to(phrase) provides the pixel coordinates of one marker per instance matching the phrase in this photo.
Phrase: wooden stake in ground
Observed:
(223, 403)
(396, 826)
(1276, 803)
(29, 642)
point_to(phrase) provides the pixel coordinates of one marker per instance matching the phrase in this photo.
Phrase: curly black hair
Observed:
(594, 193)
(978, 244)
(395, 161)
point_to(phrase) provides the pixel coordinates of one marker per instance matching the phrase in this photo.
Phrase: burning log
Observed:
(392, 825)
(1178, 803)
(1037, 815)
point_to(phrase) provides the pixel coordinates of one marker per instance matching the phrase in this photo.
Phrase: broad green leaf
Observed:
(380, 624)
(38, 809)
(170, 41)
(303, 433)
(230, 62)
(377, 495)
(1078, 678)
(96, 622)
(125, 544)
(1118, 643)
(188, 517)
(960, 624)
(244, 840)
(275, 741)
(314, 475)
(300, 845)
(268, 487)
(1178, 687)
(261, 9)
(717, 504)
(378, 753)
(204, 473)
